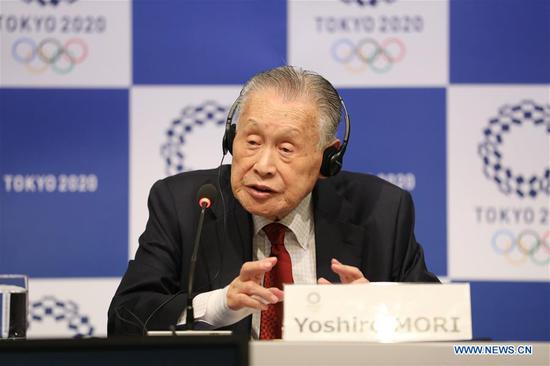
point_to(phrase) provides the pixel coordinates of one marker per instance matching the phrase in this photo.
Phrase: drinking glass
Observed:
(14, 301)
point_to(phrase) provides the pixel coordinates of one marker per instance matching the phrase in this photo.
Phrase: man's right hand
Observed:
(247, 291)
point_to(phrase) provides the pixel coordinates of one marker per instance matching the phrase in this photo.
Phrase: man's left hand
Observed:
(347, 274)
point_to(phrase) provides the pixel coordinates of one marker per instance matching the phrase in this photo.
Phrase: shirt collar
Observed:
(299, 221)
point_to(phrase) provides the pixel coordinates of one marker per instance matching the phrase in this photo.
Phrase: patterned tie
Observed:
(271, 321)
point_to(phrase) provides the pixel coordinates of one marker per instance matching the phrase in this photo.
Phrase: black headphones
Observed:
(332, 157)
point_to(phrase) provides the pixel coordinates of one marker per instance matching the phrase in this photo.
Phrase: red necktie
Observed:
(272, 319)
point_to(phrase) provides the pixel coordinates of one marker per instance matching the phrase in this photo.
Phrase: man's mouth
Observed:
(260, 191)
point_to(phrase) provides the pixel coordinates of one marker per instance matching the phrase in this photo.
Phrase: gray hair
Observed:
(292, 82)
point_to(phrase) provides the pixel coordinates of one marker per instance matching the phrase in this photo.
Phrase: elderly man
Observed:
(279, 221)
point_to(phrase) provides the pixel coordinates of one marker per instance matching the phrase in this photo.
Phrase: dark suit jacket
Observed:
(360, 220)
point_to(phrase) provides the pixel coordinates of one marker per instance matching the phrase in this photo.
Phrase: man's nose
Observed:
(265, 165)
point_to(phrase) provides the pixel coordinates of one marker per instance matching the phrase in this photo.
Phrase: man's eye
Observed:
(286, 149)
(252, 142)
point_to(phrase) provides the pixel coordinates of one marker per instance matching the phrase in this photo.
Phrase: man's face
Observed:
(276, 158)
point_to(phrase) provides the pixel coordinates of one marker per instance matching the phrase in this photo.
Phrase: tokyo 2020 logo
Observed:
(368, 2)
(177, 135)
(508, 178)
(66, 314)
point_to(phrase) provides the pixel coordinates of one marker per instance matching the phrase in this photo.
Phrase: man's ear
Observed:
(335, 144)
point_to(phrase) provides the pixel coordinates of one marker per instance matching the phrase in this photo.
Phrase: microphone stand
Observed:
(204, 203)
(190, 314)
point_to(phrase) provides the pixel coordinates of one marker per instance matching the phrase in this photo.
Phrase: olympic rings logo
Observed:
(528, 244)
(50, 52)
(380, 57)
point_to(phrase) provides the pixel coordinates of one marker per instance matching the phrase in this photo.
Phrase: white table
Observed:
(281, 353)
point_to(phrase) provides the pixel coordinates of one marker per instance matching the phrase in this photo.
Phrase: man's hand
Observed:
(347, 274)
(247, 291)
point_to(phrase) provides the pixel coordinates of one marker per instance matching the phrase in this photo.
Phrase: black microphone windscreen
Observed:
(207, 191)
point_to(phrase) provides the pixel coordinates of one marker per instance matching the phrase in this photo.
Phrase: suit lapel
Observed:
(335, 234)
(244, 225)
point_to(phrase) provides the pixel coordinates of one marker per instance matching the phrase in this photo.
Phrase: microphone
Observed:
(206, 195)
(205, 198)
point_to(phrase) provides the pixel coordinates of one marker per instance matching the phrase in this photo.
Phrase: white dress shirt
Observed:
(211, 307)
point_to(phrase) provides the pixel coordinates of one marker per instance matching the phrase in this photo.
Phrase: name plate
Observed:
(377, 312)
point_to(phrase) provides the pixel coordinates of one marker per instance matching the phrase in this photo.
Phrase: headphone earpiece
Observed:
(332, 162)
(230, 129)
(228, 139)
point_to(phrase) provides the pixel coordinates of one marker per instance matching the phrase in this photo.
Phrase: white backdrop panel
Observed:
(86, 43)
(154, 115)
(401, 43)
(65, 308)
(495, 233)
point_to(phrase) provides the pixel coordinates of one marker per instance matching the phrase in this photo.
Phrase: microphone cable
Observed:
(225, 236)
(162, 304)
(139, 324)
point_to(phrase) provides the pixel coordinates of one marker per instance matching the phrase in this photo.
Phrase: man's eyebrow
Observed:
(252, 123)
(291, 130)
